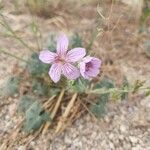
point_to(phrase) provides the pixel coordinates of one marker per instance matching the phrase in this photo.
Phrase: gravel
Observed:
(117, 132)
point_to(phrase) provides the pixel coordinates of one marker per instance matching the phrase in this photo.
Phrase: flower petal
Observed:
(70, 71)
(75, 54)
(93, 72)
(46, 56)
(96, 62)
(82, 68)
(62, 44)
(55, 72)
(87, 59)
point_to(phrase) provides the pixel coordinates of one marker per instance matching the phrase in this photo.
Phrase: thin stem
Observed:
(94, 35)
(106, 91)
(66, 113)
(56, 107)
(7, 27)
(37, 34)
(16, 57)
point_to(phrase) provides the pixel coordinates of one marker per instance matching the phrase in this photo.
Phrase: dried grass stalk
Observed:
(66, 113)
(56, 107)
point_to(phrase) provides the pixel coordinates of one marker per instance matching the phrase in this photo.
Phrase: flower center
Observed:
(59, 59)
(88, 66)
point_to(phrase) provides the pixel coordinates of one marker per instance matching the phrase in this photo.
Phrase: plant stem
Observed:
(94, 35)
(112, 90)
(56, 107)
(66, 113)
(14, 35)
(9, 54)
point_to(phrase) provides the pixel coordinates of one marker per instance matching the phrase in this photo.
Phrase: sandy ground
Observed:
(127, 124)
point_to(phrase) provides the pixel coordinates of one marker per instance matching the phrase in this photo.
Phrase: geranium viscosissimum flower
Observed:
(63, 60)
(90, 67)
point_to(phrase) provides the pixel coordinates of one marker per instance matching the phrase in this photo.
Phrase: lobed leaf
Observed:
(80, 85)
(35, 115)
(99, 109)
(36, 68)
(11, 86)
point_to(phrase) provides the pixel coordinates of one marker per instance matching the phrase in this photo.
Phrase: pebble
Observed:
(146, 102)
(21, 148)
(123, 128)
(133, 139)
(111, 145)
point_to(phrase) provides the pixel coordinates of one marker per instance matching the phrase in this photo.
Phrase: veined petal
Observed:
(93, 72)
(96, 62)
(62, 44)
(47, 57)
(75, 54)
(55, 72)
(70, 71)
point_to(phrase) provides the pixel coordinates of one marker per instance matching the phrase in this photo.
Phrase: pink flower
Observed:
(62, 61)
(90, 67)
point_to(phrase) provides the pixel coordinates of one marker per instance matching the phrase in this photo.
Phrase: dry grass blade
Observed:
(11, 138)
(34, 136)
(89, 111)
(54, 111)
(49, 102)
(66, 113)
(74, 116)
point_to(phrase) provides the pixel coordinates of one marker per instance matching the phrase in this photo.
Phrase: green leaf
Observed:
(79, 85)
(105, 83)
(99, 109)
(40, 88)
(36, 68)
(10, 86)
(35, 116)
(25, 102)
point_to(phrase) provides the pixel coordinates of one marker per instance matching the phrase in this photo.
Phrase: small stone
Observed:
(137, 147)
(121, 137)
(146, 102)
(123, 128)
(111, 136)
(32, 143)
(106, 119)
(133, 139)
(111, 145)
(67, 140)
(21, 148)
